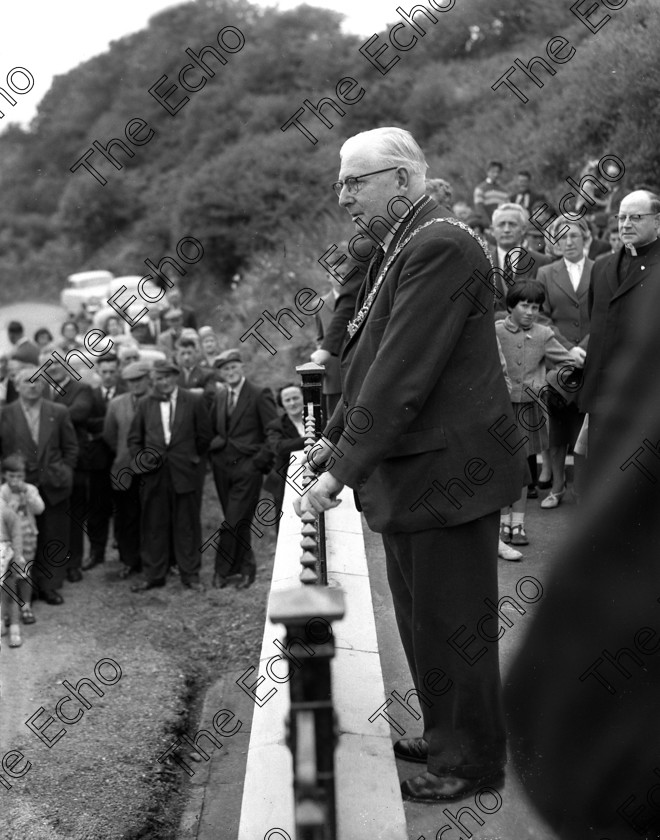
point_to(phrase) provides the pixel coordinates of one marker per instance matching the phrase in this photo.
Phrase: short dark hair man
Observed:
(421, 376)
(239, 459)
(99, 459)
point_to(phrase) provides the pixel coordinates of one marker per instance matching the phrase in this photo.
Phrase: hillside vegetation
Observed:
(221, 169)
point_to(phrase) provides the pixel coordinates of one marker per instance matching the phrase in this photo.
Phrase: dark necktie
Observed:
(509, 275)
(231, 402)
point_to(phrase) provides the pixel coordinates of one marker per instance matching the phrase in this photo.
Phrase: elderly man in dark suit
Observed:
(99, 459)
(620, 285)
(125, 473)
(518, 263)
(77, 397)
(43, 433)
(426, 437)
(239, 459)
(169, 436)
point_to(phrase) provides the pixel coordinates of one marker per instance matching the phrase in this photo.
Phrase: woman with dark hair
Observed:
(43, 337)
(284, 435)
(70, 339)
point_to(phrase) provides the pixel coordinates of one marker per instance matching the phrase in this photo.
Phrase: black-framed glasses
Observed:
(352, 184)
(634, 217)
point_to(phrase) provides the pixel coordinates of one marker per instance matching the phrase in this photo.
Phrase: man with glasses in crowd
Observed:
(421, 378)
(620, 284)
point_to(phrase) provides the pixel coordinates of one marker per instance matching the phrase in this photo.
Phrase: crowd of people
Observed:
(105, 434)
(444, 365)
(118, 456)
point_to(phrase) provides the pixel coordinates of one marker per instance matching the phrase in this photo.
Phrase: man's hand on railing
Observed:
(321, 495)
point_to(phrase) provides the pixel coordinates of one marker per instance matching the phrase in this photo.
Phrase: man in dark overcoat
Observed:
(425, 436)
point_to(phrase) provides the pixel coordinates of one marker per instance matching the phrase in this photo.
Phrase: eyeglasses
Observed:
(352, 184)
(634, 217)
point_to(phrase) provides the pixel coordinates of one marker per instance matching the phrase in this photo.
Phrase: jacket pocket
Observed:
(423, 440)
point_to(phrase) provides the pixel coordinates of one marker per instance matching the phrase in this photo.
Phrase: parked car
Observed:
(83, 287)
(145, 297)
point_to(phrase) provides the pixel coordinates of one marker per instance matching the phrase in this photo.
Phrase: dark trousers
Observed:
(127, 524)
(169, 520)
(50, 561)
(77, 513)
(238, 484)
(439, 579)
(100, 511)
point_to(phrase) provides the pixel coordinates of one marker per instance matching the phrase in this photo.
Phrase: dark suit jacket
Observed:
(567, 309)
(99, 454)
(191, 435)
(526, 269)
(589, 751)
(78, 399)
(598, 247)
(283, 439)
(198, 377)
(324, 324)
(335, 335)
(244, 433)
(422, 381)
(50, 464)
(613, 310)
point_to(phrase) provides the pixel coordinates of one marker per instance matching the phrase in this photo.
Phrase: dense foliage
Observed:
(221, 169)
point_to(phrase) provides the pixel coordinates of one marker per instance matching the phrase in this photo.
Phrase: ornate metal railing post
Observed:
(308, 613)
(313, 558)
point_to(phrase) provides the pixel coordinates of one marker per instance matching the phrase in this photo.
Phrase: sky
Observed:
(48, 38)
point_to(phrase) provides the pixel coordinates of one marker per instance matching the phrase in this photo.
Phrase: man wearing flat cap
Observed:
(125, 473)
(169, 437)
(239, 458)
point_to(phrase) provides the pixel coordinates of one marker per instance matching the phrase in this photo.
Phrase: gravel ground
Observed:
(102, 779)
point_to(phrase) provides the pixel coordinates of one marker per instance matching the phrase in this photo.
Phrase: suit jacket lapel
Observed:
(638, 274)
(583, 285)
(563, 280)
(429, 207)
(178, 412)
(241, 405)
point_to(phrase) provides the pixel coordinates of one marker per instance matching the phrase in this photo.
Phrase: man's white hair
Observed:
(518, 209)
(393, 146)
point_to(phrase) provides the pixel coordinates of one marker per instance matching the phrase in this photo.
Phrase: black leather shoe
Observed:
(50, 596)
(193, 584)
(144, 585)
(412, 749)
(219, 582)
(430, 788)
(74, 575)
(532, 492)
(91, 562)
(544, 485)
(246, 581)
